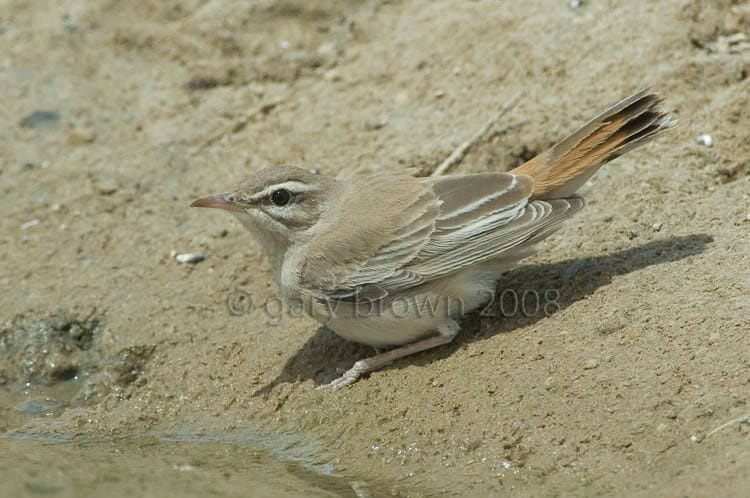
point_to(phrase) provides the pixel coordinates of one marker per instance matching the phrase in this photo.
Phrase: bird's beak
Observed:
(217, 201)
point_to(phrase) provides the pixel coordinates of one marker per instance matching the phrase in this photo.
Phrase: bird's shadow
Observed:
(556, 285)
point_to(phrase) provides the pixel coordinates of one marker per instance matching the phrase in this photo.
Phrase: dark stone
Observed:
(39, 119)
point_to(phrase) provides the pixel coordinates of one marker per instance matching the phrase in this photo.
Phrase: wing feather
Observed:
(537, 217)
(456, 222)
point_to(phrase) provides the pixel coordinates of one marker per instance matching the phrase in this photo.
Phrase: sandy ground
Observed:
(117, 114)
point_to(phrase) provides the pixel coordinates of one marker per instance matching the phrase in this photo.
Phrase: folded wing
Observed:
(454, 223)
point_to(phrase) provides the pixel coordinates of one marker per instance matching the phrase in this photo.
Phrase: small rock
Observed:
(81, 136)
(705, 140)
(574, 4)
(332, 75)
(549, 383)
(610, 326)
(439, 94)
(662, 427)
(375, 124)
(106, 188)
(591, 364)
(29, 224)
(327, 50)
(185, 468)
(203, 83)
(190, 257)
(39, 119)
(657, 226)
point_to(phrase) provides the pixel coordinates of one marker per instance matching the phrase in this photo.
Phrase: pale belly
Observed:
(409, 316)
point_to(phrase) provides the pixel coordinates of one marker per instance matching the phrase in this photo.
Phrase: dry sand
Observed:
(158, 102)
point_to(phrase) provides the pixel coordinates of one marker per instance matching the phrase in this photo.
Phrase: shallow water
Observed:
(180, 463)
(153, 467)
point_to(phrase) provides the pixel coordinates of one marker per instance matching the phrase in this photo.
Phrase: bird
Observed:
(395, 261)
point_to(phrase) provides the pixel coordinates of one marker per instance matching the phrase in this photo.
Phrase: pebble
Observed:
(327, 50)
(38, 119)
(106, 188)
(705, 140)
(332, 75)
(375, 124)
(29, 224)
(574, 4)
(401, 97)
(203, 83)
(591, 364)
(657, 226)
(549, 383)
(190, 257)
(81, 136)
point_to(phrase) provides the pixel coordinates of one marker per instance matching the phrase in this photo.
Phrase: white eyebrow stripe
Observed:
(292, 186)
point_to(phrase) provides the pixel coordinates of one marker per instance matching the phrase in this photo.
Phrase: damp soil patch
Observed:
(52, 362)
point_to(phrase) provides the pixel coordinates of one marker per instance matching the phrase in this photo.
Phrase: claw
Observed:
(348, 378)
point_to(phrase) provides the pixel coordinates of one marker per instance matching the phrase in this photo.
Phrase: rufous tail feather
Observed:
(560, 171)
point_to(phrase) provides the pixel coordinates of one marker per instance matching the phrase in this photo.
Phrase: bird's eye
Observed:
(281, 197)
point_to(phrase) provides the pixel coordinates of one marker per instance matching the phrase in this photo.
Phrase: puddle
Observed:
(149, 466)
(183, 462)
(50, 364)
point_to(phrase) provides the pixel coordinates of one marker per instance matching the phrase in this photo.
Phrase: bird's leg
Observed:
(361, 367)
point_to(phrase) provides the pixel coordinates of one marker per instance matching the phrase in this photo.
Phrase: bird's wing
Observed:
(350, 252)
(429, 229)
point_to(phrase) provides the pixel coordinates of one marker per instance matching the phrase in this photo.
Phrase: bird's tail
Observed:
(564, 168)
